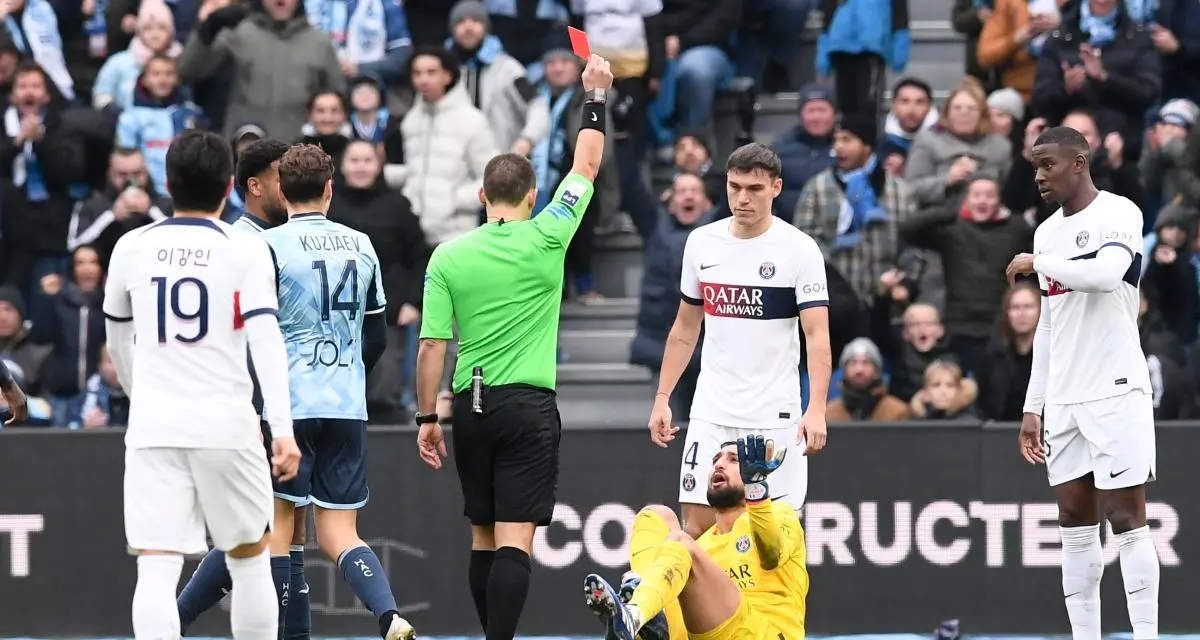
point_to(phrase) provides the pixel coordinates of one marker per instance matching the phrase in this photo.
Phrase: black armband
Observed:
(5, 375)
(593, 117)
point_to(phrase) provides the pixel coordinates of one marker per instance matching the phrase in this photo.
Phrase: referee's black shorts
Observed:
(507, 456)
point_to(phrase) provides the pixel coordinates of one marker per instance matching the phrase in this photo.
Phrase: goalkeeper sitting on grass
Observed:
(744, 579)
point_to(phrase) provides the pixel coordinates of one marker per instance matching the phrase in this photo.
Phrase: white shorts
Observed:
(1112, 438)
(172, 493)
(789, 483)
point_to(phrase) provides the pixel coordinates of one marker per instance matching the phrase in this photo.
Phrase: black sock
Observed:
(508, 585)
(478, 574)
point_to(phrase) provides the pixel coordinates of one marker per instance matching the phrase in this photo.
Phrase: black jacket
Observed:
(1120, 102)
(74, 325)
(1003, 378)
(387, 218)
(93, 222)
(60, 154)
(701, 22)
(974, 255)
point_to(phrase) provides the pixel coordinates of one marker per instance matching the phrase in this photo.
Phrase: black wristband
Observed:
(593, 117)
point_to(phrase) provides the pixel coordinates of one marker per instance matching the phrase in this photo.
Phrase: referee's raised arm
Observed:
(589, 146)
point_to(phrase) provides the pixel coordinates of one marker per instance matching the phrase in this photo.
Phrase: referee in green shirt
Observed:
(502, 285)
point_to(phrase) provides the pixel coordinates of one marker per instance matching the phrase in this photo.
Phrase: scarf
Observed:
(142, 54)
(1101, 30)
(548, 154)
(897, 139)
(374, 131)
(26, 170)
(95, 27)
(860, 206)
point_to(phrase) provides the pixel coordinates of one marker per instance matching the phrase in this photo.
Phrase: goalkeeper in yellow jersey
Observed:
(743, 579)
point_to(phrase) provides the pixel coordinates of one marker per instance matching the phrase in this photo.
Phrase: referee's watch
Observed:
(425, 418)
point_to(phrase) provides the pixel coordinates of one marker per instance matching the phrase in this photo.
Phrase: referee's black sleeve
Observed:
(374, 339)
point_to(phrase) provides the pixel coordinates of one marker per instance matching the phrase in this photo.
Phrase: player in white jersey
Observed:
(1090, 380)
(747, 280)
(195, 293)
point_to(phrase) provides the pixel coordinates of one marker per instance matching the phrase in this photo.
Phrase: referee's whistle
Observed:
(477, 390)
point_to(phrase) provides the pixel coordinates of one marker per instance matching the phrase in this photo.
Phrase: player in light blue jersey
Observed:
(257, 178)
(331, 305)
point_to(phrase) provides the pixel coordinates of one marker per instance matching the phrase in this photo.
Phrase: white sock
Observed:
(1082, 567)
(1140, 572)
(155, 616)
(254, 608)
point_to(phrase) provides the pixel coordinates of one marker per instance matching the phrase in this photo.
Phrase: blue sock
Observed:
(281, 573)
(299, 621)
(207, 586)
(363, 571)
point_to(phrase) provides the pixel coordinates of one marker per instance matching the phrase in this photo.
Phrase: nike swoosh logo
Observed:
(1071, 595)
(1113, 475)
(1136, 591)
(706, 266)
(304, 589)
(593, 117)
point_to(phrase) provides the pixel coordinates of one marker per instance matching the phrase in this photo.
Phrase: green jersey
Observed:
(502, 284)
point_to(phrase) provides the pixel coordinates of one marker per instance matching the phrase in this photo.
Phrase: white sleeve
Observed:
(1110, 265)
(118, 314)
(259, 304)
(811, 288)
(1035, 395)
(118, 307)
(259, 293)
(689, 279)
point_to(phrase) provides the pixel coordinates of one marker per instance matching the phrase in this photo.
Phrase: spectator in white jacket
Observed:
(495, 82)
(447, 143)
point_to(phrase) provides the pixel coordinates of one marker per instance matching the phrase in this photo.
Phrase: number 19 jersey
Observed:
(188, 285)
(328, 280)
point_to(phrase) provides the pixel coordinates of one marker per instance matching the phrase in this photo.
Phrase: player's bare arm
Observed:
(815, 323)
(681, 344)
(14, 397)
(589, 146)
(431, 360)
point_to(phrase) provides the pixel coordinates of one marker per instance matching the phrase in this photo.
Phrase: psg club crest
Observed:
(766, 270)
(689, 482)
(743, 544)
(1081, 239)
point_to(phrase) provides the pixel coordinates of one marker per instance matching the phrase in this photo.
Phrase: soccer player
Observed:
(258, 177)
(196, 293)
(744, 578)
(331, 312)
(747, 280)
(1090, 379)
(502, 284)
(14, 397)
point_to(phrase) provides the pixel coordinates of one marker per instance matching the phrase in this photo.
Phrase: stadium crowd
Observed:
(918, 204)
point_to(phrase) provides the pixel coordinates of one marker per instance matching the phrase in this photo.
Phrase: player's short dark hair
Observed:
(199, 167)
(1066, 138)
(256, 158)
(507, 179)
(755, 157)
(303, 173)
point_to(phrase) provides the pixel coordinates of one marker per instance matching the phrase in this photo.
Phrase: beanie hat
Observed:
(1008, 100)
(861, 348)
(155, 12)
(559, 53)
(12, 296)
(861, 126)
(699, 134)
(472, 9)
(815, 91)
(1179, 112)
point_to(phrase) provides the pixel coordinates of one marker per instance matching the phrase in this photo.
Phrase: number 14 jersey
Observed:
(328, 280)
(188, 285)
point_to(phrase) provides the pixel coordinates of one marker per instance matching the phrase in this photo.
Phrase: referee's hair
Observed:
(199, 167)
(507, 179)
(303, 173)
(256, 159)
(755, 157)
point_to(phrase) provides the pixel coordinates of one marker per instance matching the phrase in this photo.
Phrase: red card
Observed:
(579, 43)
